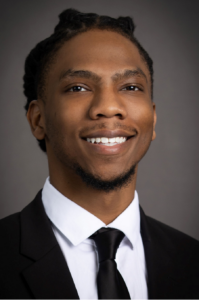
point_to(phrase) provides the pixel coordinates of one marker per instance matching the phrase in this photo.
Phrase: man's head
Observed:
(92, 80)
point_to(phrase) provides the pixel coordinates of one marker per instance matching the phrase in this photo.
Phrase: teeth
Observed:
(107, 141)
(104, 140)
(98, 140)
(112, 140)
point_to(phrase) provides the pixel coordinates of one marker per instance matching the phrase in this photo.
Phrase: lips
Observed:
(109, 134)
(108, 142)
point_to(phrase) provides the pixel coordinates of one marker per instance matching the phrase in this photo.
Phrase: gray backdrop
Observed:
(168, 175)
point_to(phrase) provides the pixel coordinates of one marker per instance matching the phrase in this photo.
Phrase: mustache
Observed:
(104, 125)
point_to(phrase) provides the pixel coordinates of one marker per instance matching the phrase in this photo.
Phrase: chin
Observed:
(106, 182)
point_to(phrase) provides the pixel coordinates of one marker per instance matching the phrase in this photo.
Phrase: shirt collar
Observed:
(77, 224)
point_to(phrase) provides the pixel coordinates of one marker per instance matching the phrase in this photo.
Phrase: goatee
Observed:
(98, 183)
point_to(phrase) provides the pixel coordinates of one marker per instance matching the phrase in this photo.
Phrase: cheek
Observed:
(62, 121)
(143, 118)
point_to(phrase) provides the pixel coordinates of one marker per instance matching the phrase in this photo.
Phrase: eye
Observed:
(76, 88)
(131, 88)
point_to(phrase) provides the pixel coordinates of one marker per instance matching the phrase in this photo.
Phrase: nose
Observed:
(107, 104)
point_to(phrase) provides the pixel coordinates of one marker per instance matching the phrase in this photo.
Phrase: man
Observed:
(89, 104)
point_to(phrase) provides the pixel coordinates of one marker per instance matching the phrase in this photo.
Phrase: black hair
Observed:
(71, 23)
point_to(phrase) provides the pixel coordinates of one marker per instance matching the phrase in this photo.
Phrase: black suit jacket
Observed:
(32, 264)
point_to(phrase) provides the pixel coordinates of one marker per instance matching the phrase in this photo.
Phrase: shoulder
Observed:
(11, 226)
(10, 230)
(166, 232)
(176, 245)
(12, 260)
(10, 220)
(180, 247)
(10, 236)
(172, 259)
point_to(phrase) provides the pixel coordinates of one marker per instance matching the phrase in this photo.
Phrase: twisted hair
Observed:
(71, 23)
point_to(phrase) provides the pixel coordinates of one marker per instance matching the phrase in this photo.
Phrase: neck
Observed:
(106, 206)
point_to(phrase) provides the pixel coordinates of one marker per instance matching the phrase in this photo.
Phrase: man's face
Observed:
(98, 87)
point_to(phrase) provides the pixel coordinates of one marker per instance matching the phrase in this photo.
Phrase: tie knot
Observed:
(107, 241)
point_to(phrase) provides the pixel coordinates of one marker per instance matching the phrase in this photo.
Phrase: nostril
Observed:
(104, 115)
(119, 115)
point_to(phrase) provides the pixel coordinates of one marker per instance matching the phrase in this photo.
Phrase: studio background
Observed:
(167, 182)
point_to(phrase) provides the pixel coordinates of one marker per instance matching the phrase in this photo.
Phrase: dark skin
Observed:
(98, 86)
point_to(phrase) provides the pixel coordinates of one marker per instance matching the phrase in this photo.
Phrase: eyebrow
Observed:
(80, 73)
(91, 75)
(129, 73)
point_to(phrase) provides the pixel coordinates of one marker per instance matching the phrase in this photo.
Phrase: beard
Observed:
(91, 180)
(97, 183)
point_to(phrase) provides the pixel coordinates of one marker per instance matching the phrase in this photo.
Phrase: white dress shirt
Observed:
(73, 225)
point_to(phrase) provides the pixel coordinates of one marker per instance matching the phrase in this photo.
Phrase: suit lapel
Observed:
(48, 276)
(159, 255)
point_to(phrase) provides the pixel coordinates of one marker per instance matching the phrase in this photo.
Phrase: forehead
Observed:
(101, 51)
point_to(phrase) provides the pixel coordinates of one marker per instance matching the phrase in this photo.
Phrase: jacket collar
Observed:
(164, 259)
(49, 277)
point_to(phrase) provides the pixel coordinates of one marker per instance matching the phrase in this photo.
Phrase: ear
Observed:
(36, 119)
(154, 122)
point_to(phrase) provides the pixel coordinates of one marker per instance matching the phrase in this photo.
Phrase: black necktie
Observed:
(110, 283)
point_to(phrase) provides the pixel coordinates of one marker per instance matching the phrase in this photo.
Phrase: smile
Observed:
(107, 141)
